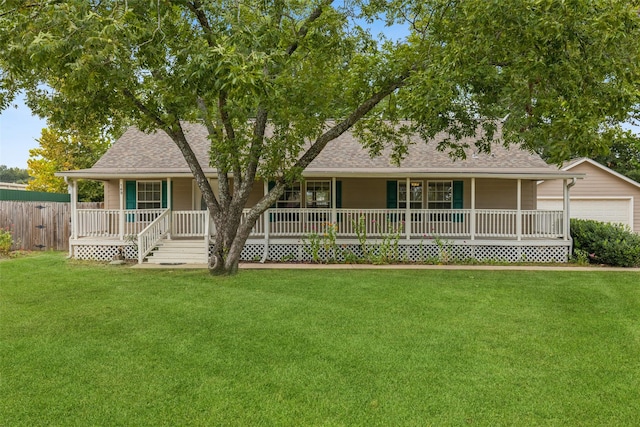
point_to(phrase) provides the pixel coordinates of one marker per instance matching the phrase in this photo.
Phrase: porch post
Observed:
(472, 225)
(121, 206)
(565, 209)
(265, 218)
(407, 210)
(334, 210)
(519, 211)
(169, 185)
(74, 208)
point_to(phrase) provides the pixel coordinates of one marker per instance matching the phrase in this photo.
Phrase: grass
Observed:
(88, 344)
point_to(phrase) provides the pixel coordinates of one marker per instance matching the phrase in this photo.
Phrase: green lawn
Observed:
(86, 344)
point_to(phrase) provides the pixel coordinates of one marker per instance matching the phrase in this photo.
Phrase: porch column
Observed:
(407, 210)
(74, 208)
(334, 210)
(265, 219)
(121, 206)
(566, 220)
(519, 211)
(169, 185)
(472, 225)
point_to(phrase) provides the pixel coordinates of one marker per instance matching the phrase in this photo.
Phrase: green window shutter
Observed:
(458, 195)
(130, 195)
(164, 195)
(392, 194)
(458, 200)
(339, 194)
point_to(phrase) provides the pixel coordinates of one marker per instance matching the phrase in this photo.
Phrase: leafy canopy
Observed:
(555, 73)
(60, 150)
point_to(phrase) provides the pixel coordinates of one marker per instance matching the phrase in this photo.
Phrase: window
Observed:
(439, 195)
(318, 194)
(149, 195)
(415, 195)
(291, 197)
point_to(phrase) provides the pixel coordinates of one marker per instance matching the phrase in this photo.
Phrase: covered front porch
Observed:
(285, 231)
(145, 228)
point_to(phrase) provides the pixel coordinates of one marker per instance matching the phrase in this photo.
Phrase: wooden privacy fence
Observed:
(39, 225)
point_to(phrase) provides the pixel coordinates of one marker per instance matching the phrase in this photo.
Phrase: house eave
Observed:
(101, 175)
(442, 174)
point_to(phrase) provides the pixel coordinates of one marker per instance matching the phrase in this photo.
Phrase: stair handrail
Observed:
(152, 234)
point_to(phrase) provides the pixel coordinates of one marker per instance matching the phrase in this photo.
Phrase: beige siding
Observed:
(182, 194)
(357, 193)
(501, 194)
(112, 194)
(597, 184)
(490, 193)
(364, 193)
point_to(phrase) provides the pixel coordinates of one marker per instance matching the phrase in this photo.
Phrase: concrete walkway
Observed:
(307, 266)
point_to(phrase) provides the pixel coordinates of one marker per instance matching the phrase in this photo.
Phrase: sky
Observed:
(19, 130)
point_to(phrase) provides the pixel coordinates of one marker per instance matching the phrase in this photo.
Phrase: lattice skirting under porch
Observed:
(419, 252)
(103, 252)
(406, 252)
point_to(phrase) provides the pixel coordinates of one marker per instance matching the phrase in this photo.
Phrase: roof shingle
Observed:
(138, 153)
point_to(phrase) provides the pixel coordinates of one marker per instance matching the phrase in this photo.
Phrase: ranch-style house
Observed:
(483, 207)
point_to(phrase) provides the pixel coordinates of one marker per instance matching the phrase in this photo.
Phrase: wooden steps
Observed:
(179, 252)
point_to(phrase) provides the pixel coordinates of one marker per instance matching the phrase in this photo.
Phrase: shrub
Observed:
(6, 241)
(612, 244)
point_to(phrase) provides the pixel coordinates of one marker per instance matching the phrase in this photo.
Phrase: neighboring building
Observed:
(12, 186)
(485, 206)
(603, 195)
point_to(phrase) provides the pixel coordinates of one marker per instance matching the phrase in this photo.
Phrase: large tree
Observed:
(64, 150)
(275, 80)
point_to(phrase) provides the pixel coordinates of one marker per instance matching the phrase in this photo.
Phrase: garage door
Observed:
(607, 210)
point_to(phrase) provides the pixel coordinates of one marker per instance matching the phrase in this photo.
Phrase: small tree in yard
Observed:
(274, 81)
(63, 151)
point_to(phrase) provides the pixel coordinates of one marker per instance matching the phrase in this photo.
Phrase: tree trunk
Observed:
(229, 242)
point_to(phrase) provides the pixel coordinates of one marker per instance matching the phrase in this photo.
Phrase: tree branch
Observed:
(305, 27)
(223, 177)
(347, 123)
(196, 8)
(175, 132)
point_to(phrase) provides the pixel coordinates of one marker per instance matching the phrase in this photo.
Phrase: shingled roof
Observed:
(140, 154)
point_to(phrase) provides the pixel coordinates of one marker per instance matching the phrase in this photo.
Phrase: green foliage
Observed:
(63, 151)
(612, 244)
(322, 239)
(6, 241)
(623, 155)
(14, 175)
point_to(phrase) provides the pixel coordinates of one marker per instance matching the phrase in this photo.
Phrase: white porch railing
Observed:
(109, 222)
(188, 223)
(98, 223)
(465, 223)
(152, 234)
(543, 224)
